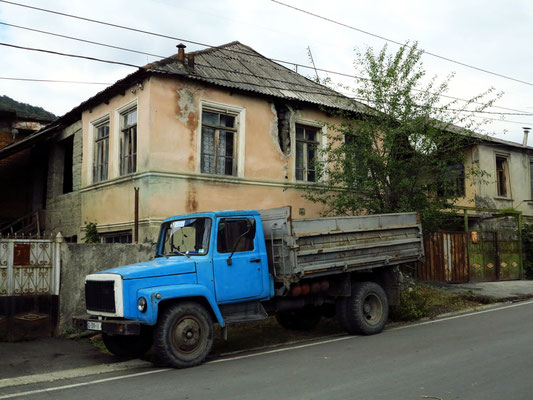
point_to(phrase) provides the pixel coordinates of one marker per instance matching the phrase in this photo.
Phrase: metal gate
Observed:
(494, 256)
(29, 287)
(446, 257)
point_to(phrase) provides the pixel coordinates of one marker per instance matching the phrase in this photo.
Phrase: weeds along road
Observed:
(484, 355)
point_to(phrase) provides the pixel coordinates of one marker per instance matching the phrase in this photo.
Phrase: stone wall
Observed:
(79, 260)
(63, 210)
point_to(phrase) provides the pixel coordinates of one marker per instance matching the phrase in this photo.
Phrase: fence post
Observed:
(57, 262)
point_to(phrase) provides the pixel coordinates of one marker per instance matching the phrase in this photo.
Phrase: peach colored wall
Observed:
(168, 167)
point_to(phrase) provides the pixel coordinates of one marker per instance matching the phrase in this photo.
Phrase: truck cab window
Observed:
(235, 235)
(186, 237)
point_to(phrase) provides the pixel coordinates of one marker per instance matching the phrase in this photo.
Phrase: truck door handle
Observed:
(255, 260)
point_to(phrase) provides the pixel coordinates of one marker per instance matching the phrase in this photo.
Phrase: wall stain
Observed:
(191, 203)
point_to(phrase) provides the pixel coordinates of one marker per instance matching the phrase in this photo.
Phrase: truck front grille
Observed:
(100, 296)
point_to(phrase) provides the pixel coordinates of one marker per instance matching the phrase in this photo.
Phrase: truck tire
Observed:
(184, 335)
(129, 346)
(340, 307)
(366, 310)
(304, 319)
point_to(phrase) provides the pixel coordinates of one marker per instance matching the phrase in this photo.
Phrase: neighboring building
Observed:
(508, 183)
(20, 209)
(223, 128)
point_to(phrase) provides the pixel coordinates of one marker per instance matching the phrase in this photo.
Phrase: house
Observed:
(18, 122)
(222, 128)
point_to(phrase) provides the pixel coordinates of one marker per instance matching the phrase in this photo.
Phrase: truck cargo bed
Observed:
(322, 246)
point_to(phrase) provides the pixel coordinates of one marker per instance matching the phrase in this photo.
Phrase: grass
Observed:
(420, 301)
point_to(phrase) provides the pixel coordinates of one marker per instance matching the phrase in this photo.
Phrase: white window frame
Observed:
(93, 127)
(322, 142)
(240, 122)
(119, 113)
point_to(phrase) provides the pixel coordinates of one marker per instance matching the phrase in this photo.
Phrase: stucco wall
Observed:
(79, 260)
(168, 171)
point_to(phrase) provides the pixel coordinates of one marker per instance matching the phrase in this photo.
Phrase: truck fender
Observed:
(156, 295)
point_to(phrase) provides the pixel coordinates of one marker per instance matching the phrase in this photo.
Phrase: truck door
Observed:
(241, 277)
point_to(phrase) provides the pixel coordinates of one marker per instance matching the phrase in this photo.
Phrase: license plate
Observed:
(94, 326)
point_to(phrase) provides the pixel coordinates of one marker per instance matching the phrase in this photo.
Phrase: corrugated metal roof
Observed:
(237, 66)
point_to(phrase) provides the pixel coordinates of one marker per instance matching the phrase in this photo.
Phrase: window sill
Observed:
(503, 198)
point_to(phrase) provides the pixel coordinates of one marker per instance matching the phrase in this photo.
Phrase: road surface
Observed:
(484, 355)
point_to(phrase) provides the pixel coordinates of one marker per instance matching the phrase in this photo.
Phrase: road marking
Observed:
(434, 321)
(8, 396)
(251, 355)
(73, 373)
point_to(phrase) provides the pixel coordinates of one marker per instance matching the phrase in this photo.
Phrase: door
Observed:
(241, 277)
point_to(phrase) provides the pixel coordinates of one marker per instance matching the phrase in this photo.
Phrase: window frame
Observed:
(319, 141)
(226, 220)
(96, 141)
(238, 168)
(502, 190)
(129, 131)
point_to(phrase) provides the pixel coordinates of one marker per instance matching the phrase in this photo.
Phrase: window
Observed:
(235, 235)
(101, 152)
(453, 181)
(185, 236)
(117, 237)
(128, 142)
(501, 175)
(219, 137)
(306, 152)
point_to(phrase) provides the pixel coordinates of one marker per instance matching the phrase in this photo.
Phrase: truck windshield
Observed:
(184, 237)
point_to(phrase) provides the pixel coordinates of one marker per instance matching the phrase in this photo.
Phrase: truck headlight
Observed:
(142, 304)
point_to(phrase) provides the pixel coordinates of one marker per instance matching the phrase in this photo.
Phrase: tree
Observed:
(406, 152)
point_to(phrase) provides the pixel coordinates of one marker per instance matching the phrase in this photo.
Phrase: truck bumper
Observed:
(109, 326)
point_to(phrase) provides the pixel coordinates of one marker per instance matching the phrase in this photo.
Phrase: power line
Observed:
(296, 65)
(8, 78)
(80, 40)
(326, 91)
(402, 44)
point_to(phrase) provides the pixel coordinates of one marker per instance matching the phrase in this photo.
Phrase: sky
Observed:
(490, 35)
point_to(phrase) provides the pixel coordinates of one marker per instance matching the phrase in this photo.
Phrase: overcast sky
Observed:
(492, 35)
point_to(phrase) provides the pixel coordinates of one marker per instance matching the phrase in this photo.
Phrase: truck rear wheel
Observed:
(304, 319)
(129, 346)
(366, 310)
(184, 335)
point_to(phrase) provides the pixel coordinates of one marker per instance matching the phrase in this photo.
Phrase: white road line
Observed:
(9, 396)
(257, 354)
(434, 321)
(73, 373)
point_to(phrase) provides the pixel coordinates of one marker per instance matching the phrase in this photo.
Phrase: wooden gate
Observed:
(446, 257)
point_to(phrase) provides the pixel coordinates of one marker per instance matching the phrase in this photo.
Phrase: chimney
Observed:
(181, 52)
(526, 133)
(190, 60)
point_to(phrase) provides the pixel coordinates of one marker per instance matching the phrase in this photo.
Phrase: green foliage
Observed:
(24, 110)
(413, 305)
(91, 233)
(404, 153)
(527, 249)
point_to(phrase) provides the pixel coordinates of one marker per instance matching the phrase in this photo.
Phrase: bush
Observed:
(527, 250)
(413, 305)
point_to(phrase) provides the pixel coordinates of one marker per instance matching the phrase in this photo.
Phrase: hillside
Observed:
(25, 110)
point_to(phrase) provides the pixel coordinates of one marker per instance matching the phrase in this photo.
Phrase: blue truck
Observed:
(230, 267)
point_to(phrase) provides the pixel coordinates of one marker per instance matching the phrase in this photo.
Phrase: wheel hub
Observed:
(187, 335)
(372, 309)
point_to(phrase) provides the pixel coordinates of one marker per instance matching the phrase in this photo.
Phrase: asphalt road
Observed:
(486, 355)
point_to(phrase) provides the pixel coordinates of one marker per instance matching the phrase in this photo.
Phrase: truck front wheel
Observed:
(129, 346)
(184, 335)
(366, 310)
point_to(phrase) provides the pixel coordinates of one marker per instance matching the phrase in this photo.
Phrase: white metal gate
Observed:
(29, 267)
